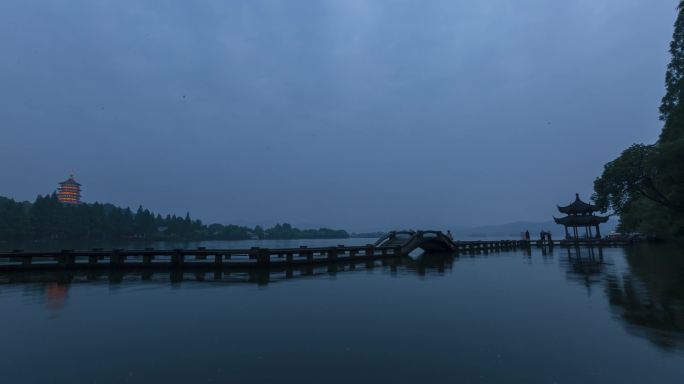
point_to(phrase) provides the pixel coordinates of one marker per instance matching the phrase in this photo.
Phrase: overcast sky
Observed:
(361, 114)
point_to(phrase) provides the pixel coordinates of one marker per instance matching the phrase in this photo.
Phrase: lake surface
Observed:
(537, 317)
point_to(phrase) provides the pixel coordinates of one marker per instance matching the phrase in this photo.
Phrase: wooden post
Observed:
(332, 254)
(26, 261)
(92, 260)
(309, 254)
(115, 258)
(253, 253)
(177, 258)
(66, 259)
(263, 257)
(218, 259)
(370, 250)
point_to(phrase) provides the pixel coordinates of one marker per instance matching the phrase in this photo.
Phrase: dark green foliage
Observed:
(644, 215)
(48, 219)
(645, 184)
(287, 231)
(641, 172)
(671, 109)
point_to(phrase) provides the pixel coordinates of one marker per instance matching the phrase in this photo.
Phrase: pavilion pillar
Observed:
(567, 235)
(598, 232)
(590, 234)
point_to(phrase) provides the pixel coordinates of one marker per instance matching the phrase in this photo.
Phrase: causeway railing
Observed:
(255, 257)
(183, 258)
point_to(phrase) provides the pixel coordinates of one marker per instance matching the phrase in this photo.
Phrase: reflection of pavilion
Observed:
(580, 214)
(585, 265)
(646, 295)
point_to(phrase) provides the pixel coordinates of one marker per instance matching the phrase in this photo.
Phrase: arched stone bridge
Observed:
(409, 241)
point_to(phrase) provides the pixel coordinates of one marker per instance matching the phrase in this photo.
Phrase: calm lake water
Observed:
(539, 317)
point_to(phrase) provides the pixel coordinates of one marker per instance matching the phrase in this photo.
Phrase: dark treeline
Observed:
(645, 184)
(48, 219)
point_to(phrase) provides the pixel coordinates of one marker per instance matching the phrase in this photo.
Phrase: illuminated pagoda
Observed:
(580, 214)
(69, 191)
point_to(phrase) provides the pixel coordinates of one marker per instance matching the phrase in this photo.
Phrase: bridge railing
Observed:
(392, 235)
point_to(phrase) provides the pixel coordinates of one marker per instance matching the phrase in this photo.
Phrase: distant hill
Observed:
(368, 235)
(513, 230)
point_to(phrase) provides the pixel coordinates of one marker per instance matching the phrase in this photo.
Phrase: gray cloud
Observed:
(360, 114)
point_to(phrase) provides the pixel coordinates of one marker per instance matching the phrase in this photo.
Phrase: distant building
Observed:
(580, 214)
(69, 191)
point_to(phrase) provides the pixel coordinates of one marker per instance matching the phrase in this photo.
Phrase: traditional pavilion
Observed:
(69, 191)
(580, 214)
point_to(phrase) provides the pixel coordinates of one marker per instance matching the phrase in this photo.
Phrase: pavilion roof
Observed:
(581, 220)
(578, 207)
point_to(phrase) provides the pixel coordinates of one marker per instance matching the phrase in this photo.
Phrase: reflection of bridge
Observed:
(434, 265)
(393, 245)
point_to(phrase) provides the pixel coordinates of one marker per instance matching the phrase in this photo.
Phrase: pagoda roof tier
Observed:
(581, 220)
(70, 181)
(578, 207)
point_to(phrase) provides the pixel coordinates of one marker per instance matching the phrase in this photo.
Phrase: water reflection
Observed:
(649, 295)
(53, 286)
(645, 289)
(584, 265)
(644, 286)
(56, 295)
